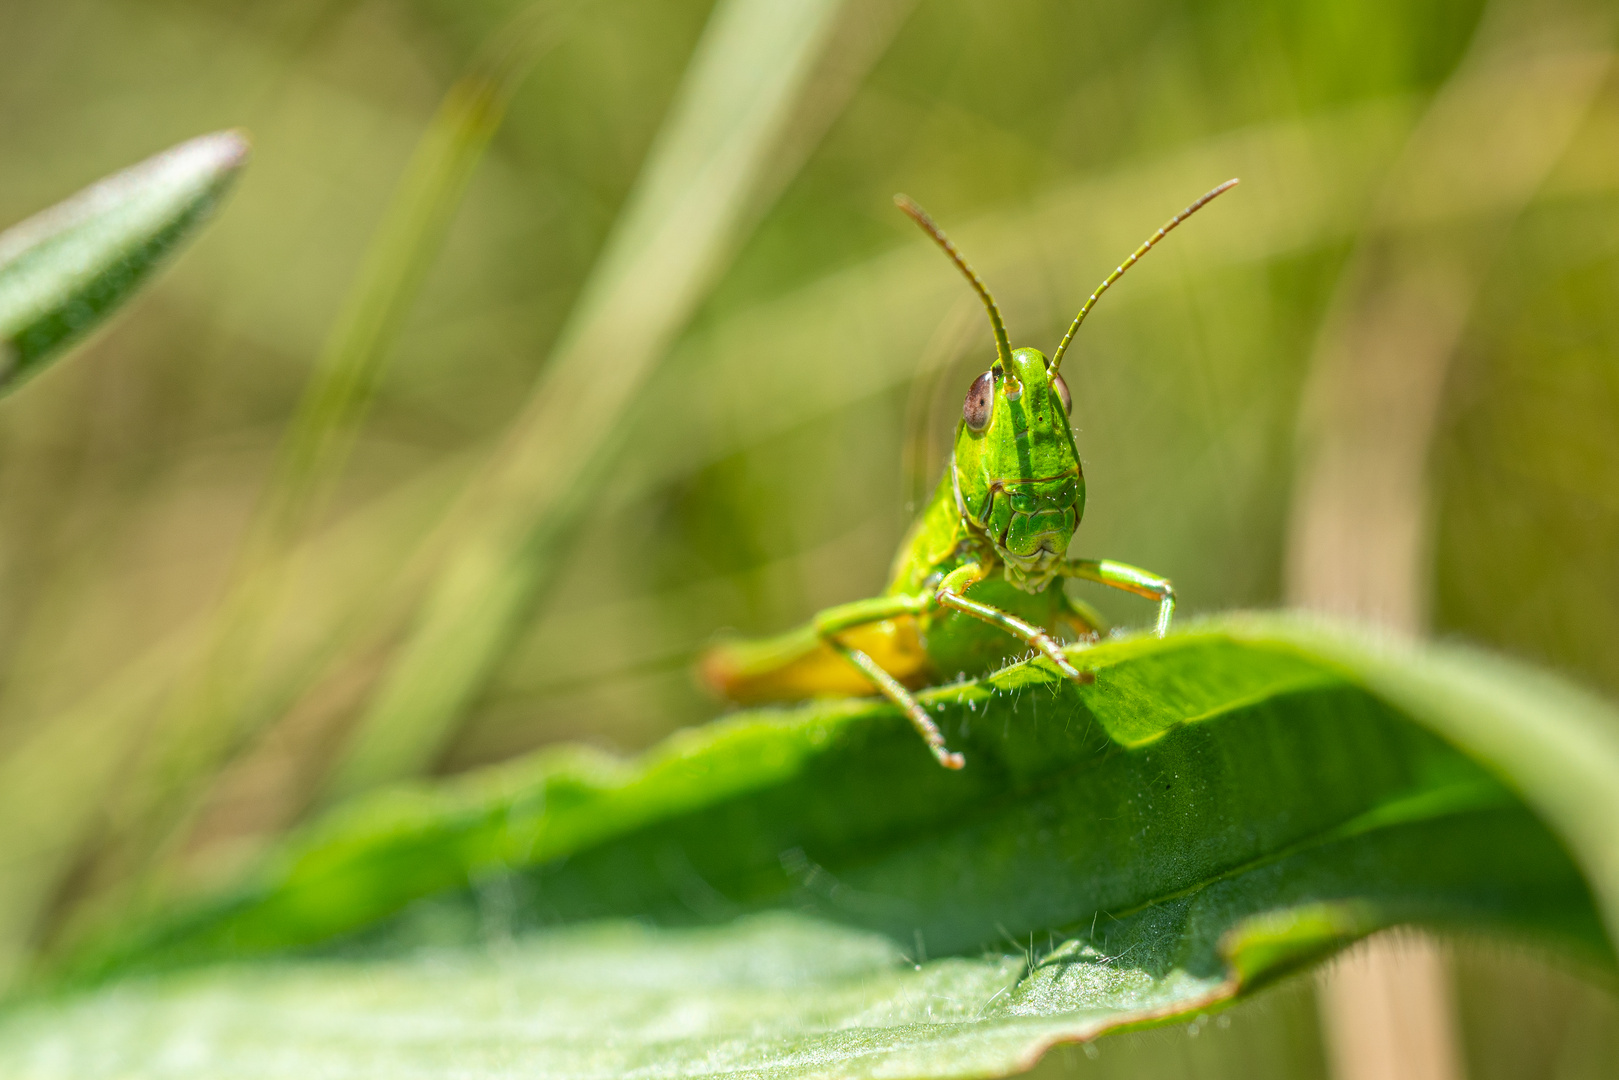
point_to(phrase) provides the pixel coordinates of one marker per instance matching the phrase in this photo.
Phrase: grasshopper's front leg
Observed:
(947, 594)
(1130, 579)
(950, 594)
(834, 621)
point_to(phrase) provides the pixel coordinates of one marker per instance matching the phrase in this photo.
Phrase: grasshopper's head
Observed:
(1015, 468)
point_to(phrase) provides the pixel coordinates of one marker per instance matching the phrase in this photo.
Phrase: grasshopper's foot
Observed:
(1053, 651)
(1078, 676)
(925, 727)
(950, 759)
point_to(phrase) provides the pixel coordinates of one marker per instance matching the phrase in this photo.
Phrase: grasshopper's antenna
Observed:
(1003, 348)
(1056, 358)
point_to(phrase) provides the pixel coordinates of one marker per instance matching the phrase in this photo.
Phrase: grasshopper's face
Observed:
(1016, 469)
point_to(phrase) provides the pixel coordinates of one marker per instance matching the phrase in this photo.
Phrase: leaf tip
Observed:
(220, 154)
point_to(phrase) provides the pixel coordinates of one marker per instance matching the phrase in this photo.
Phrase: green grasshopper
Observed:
(1009, 500)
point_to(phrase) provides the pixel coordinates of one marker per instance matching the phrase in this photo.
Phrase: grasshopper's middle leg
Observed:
(1130, 579)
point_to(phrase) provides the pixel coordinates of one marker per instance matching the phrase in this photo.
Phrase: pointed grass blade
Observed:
(65, 270)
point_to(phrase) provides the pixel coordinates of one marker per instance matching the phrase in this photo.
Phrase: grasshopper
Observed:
(979, 576)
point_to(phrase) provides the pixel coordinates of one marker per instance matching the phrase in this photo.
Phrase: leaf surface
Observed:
(811, 896)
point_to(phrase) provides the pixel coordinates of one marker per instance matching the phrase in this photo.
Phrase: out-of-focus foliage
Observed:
(759, 476)
(66, 269)
(1216, 809)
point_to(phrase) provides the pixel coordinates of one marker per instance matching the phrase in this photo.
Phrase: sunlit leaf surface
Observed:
(813, 896)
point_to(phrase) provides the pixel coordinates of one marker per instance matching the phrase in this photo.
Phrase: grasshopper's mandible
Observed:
(978, 579)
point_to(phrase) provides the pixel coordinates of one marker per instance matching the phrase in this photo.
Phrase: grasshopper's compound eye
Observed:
(1063, 395)
(980, 402)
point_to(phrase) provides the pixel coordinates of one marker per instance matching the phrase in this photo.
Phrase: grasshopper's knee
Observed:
(1166, 606)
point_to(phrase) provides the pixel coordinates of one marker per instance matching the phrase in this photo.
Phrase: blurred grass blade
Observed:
(1357, 543)
(54, 783)
(853, 333)
(1221, 807)
(208, 714)
(321, 432)
(1358, 540)
(407, 241)
(673, 235)
(65, 270)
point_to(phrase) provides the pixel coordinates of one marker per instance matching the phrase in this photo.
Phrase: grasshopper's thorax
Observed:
(1017, 479)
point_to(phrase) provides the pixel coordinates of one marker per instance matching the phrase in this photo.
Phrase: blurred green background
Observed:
(770, 464)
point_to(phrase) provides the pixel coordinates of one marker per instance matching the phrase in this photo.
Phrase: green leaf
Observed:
(66, 269)
(815, 897)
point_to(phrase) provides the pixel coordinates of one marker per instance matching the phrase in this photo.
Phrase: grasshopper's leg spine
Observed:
(1129, 578)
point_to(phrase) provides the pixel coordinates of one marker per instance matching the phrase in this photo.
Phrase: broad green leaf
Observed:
(815, 898)
(769, 995)
(66, 269)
